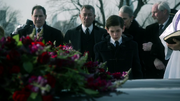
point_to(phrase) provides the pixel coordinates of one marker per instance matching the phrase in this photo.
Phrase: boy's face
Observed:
(115, 32)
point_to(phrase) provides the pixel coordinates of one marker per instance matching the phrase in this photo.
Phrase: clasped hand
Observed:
(147, 46)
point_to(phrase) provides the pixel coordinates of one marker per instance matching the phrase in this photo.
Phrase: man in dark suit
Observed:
(39, 24)
(118, 50)
(154, 56)
(85, 36)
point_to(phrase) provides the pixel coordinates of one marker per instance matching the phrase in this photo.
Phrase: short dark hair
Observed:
(88, 7)
(38, 7)
(114, 20)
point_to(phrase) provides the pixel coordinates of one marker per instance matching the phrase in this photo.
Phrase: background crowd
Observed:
(123, 44)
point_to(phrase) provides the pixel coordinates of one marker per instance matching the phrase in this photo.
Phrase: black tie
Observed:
(39, 30)
(117, 43)
(160, 29)
(87, 31)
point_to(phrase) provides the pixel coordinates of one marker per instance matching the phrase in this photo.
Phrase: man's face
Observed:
(127, 19)
(87, 17)
(115, 32)
(157, 14)
(38, 17)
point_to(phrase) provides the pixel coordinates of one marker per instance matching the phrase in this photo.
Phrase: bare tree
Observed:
(8, 18)
(73, 7)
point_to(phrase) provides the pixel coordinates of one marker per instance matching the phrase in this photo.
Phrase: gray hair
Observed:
(88, 7)
(126, 9)
(163, 5)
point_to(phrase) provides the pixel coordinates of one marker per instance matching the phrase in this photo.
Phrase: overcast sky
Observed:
(25, 7)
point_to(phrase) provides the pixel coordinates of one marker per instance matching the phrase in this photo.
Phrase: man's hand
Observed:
(175, 46)
(159, 64)
(147, 46)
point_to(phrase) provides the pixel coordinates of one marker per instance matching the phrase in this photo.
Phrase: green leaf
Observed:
(16, 37)
(43, 41)
(90, 91)
(19, 43)
(28, 66)
(34, 97)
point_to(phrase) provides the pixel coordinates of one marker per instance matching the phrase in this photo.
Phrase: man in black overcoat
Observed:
(154, 56)
(85, 36)
(39, 24)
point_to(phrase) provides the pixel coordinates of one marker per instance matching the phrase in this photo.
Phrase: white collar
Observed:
(90, 28)
(113, 41)
(38, 28)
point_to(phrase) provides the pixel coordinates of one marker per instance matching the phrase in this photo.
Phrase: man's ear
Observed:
(79, 15)
(107, 29)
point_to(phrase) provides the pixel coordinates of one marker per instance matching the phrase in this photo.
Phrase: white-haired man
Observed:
(153, 49)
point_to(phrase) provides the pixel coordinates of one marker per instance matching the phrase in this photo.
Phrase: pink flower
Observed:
(35, 47)
(76, 56)
(38, 80)
(53, 54)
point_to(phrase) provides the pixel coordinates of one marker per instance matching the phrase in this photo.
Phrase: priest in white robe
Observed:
(173, 67)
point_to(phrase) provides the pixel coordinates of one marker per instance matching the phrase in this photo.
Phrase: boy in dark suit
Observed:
(48, 33)
(120, 51)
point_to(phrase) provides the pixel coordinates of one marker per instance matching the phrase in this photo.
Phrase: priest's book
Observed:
(169, 38)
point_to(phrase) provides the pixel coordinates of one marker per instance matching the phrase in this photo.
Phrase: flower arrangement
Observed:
(31, 70)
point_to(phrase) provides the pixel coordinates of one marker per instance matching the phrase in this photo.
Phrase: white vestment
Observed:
(173, 66)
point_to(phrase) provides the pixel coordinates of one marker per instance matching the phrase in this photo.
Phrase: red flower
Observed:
(51, 80)
(91, 66)
(10, 43)
(101, 70)
(64, 63)
(47, 98)
(50, 43)
(117, 75)
(98, 84)
(27, 40)
(21, 95)
(15, 69)
(44, 58)
(34, 43)
(13, 56)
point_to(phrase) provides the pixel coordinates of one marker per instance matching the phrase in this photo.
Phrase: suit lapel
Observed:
(167, 24)
(96, 34)
(78, 37)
